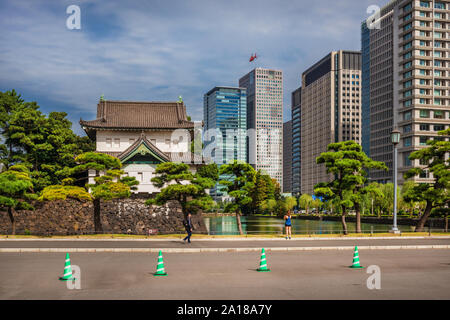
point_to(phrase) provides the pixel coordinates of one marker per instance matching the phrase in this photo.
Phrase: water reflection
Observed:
(223, 225)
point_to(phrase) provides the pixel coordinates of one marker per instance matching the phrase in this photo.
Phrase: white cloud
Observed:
(157, 50)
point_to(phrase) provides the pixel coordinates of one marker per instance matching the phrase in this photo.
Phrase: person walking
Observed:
(188, 226)
(288, 224)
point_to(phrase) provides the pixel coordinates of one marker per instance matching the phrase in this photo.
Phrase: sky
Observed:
(157, 50)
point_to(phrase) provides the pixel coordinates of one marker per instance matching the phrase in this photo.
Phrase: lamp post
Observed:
(395, 139)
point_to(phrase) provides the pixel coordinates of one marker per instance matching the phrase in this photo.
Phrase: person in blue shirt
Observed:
(288, 224)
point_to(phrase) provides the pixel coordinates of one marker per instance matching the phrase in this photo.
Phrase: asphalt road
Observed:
(405, 274)
(216, 243)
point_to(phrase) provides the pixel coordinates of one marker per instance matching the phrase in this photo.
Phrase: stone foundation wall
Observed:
(118, 216)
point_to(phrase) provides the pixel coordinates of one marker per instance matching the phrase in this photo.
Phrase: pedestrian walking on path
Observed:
(188, 226)
(288, 224)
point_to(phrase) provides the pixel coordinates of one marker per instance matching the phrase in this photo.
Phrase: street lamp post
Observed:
(395, 139)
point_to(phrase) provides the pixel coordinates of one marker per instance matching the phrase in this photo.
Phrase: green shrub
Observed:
(58, 192)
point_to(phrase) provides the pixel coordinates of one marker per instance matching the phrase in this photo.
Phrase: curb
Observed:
(239, 239)
(200, 250)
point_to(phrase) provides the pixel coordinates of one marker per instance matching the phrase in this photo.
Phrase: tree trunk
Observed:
(424, 217)
(97, 218)
(446, 223)
(358, 219)
(344, 224)
(238, 222)
(13, 221)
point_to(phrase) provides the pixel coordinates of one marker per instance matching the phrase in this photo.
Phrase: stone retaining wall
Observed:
(118, 216)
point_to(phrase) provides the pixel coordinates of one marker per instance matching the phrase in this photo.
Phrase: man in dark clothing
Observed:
(188, 226)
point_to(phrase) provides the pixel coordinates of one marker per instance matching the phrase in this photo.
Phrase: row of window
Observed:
(116, 142)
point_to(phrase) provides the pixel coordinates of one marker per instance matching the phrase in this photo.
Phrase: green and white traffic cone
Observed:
(356, 264)
(160, 266)
(263, 263)
(67, 270)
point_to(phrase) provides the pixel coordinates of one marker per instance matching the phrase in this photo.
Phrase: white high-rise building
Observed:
(406, 81)
(265, 120)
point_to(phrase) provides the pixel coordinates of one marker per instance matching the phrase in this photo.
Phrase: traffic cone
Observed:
(160, 266)
(356, 264)
(67, 270)
(263, 263)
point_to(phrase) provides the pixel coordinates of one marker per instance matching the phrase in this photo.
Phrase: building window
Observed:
(424, 4)
(108, 142)
(438, 127)
(139, 176)
(424, 127)
(407, 142)
(116, 142)
(407, 115)
(424, 113)
(406, 160)
(425, 174)
(407, 128)
(438, 114)
(423, 141)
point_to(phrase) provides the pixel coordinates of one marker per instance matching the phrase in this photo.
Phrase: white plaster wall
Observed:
(161, 138)
(148, 172)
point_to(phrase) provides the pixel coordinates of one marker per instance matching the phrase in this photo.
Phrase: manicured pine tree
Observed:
(348, 164)
(435, 161)
(177, 182)
(16, 191)
(239, 183)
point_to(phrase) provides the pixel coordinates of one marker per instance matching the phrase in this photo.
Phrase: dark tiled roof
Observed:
(143, 139)
(139, 115)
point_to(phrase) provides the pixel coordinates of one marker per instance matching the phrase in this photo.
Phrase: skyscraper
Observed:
(296, 101)
(330, 111)
(265, 120)
(407, 59)
(287, 156)
(225, 126)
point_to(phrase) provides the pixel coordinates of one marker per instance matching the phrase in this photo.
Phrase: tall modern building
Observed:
(287, 157)
(330, 111)
(225, 127)
(265, 120)
(296, 100)
(406, 62)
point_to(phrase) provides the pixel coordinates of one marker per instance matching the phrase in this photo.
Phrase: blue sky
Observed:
(157, 50)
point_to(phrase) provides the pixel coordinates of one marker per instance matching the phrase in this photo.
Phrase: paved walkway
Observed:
(218, 245)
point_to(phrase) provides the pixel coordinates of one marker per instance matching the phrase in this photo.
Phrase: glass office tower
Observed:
(225, 128)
